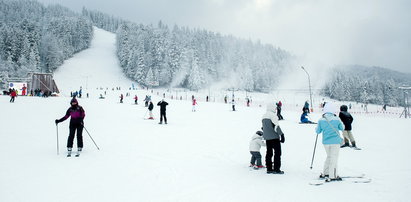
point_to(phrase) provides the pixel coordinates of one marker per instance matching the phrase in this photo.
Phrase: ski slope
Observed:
(198, 156)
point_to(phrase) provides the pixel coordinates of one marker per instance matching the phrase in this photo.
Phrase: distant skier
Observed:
(225, 99)
(347, 119)
(150, 110)
(121, 98)
(146, 100)
(194, 105)
(163, 104)
(135, 99)
(233, 104)
(248, 102)
(13, 95)
(80, 92)
(274, 136)
(328, 126)
(280, 117)
(24, 89)
(255, 146)
(77, 114)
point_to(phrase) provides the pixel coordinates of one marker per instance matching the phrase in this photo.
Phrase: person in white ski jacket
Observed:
(255, 145)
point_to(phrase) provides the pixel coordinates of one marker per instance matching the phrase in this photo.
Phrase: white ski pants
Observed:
(348, 136)
(330, 164)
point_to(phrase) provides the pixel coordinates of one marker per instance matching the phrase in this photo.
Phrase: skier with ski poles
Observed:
(329, 125)
(77, 114)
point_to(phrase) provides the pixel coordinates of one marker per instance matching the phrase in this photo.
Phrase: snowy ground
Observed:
(198, 156)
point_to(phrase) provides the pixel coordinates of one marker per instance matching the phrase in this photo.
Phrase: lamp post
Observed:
(309, 86)
(406, 111)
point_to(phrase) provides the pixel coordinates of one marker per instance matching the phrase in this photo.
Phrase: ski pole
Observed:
(315, 145)
(90, 137)
(57, 128)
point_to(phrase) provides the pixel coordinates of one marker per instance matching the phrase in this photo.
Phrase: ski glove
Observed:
(282, 140)
(57, 121)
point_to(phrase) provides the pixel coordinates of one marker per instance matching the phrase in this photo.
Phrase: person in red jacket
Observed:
(194, 105)
(13, 95)
(77, 114)
(135, 99)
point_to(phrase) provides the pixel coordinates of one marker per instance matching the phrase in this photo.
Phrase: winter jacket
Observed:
(162, 105)
(271, 129)
(347, 119)
(150, 106)
(256, 143)
(76, 113)
(304, 118)
(13, 94)
(330, 135)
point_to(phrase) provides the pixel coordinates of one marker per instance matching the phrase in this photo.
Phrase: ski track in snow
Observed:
(198, 156)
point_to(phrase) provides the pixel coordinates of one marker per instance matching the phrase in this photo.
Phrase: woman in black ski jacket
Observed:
(77, 114)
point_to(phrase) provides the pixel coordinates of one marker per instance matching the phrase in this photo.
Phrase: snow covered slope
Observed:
(198, 156)
(93, 68)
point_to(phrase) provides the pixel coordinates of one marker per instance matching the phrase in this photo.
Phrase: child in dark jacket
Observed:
(347, 120)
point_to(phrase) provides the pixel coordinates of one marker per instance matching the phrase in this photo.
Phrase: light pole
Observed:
(406, 111)
(309, 86)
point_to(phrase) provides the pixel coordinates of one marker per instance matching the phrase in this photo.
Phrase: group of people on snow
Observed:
(271, 136)
(329, 126)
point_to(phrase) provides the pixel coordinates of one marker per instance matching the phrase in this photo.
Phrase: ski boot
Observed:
(345, 145)
(79, 151)
(333, 179)
(69, 152)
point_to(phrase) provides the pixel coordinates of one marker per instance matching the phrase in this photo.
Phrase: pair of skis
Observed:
(353, 179)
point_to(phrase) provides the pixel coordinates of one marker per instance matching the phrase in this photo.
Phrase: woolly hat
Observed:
(73, 100)
(329, 108)
(343, 108)
(260, 133)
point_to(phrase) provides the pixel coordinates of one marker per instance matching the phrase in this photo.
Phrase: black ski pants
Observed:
(163, 114)
(276, 146)
(73, 128)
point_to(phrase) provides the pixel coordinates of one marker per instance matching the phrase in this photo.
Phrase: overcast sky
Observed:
(365, 32)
